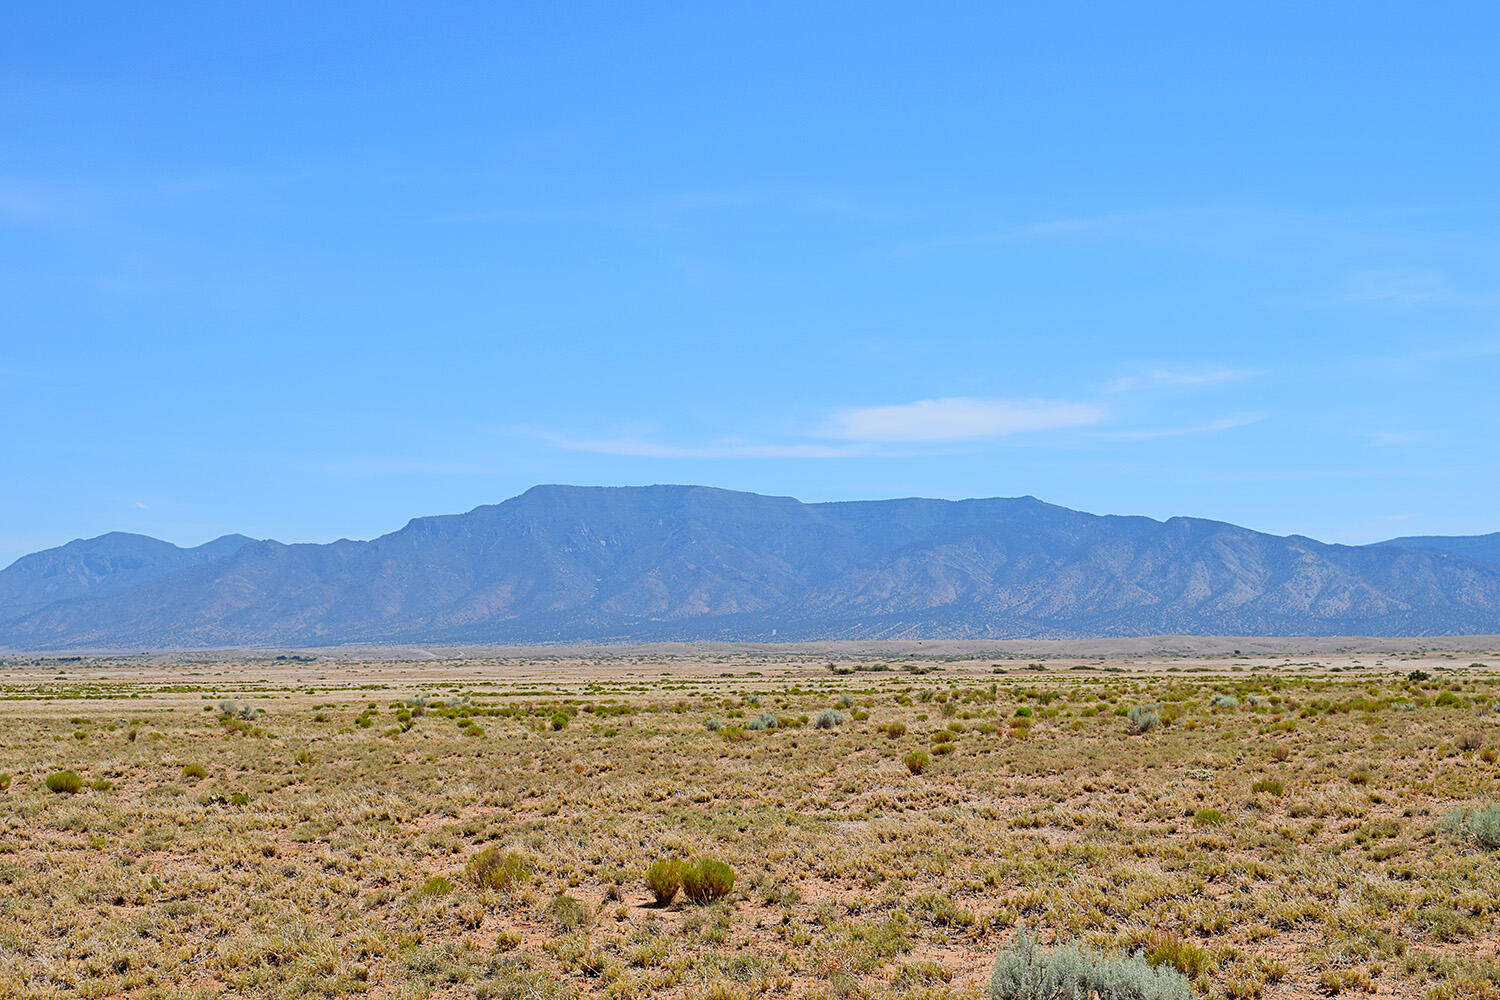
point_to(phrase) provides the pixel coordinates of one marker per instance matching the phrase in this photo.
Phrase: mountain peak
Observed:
(581, 563)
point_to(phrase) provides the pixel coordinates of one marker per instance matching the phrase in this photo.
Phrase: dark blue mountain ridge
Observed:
(1485, 548)
(98, 566)
(593, 564)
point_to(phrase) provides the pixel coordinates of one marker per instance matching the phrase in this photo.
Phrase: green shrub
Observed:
(707, 880)
(559, 721)
(1026, 972)
(943, 749)
(1478, 824)
(1209, 817)
(65, 782)
(437, 886)
(568, 914)
(916, 761)
(490, 869)
(1188, 959)
(1268, 785)
(664, 878)
(194, 771)
(239, 799)
(828, 719)
(4, 782)
(894, 730)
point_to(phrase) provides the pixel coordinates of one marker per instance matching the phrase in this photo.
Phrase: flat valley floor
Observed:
(1288, 824)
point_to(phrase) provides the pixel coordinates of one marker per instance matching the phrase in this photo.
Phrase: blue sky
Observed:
(308, 273)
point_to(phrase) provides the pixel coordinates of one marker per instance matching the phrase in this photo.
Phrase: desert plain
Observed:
(1271, 818)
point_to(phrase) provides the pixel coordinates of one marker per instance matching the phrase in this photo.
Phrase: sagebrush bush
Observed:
(764, 720)
(829, 718)
(1480, 824)
(664, 878)
(490, 869)
(64, 782)
(1026, 972)
(713, 724)
(248, 713)
(1143, 718)
(1224, 701)
(706, 880)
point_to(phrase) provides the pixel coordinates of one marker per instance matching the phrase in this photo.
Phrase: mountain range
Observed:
(594, 564)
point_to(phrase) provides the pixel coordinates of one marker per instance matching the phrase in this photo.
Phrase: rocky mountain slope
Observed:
(680, 562)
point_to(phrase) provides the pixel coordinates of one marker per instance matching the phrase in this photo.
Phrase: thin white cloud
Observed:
(1411, 286)
(1399, 286)
(25, 206)
(1384, 438)
(638, 448)
(1046, 229)
(1175, 378)
(142, 506)
(960, 419)
(1211, 427)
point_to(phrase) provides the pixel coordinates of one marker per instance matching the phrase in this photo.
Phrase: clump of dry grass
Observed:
(707, 880)
(664, 879)
(493, 869)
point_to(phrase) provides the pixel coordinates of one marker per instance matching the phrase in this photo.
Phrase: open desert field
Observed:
(1276, 821)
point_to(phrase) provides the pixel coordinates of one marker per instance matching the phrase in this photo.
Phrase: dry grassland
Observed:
(1289, 827)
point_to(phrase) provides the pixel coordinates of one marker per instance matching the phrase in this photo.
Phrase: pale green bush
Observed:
(1069, 972)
